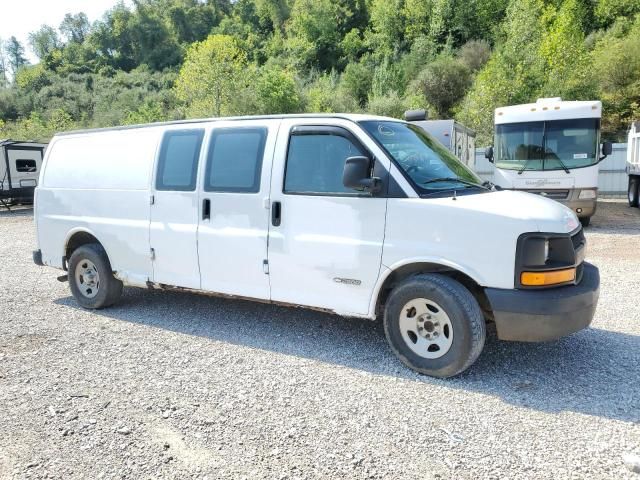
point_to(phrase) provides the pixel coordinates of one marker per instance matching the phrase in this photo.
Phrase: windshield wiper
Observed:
(562, 164)
(454, 179)
(524, 166)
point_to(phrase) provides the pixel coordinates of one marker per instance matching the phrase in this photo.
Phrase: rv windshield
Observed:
(551, 145)
(427, 162)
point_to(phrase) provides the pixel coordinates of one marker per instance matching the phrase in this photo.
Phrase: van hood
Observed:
(542, 213)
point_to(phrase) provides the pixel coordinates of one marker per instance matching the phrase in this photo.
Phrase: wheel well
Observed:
(77, 240)
(413, 269)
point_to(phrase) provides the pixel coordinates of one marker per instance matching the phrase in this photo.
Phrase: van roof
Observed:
(354, 117)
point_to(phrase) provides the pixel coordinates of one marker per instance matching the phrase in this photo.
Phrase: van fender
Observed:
(388, 270)
(71, 233)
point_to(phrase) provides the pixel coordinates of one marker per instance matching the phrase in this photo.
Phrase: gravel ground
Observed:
(175, 385)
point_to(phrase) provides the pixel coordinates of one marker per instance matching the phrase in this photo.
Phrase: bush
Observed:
(443, 83)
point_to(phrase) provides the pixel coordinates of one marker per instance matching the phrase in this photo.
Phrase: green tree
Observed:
(357, 80)
(212, 72)
(475, 54)
(313, 34)
(4, 77)
(515, 72)
(276, 92)
(607, 11)
(563, 51)
(616, 65)
(387, 26)
(15, 55)
(44, 41)
(75, 27)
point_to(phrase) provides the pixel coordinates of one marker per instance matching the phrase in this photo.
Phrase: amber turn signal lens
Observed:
(540, 279)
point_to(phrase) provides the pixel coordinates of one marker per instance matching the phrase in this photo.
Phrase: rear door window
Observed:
(178, 162)
(234, 160)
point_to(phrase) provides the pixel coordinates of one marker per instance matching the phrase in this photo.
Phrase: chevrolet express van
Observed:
(358, 215)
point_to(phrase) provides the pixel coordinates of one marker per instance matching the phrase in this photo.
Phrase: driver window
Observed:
(315, 163)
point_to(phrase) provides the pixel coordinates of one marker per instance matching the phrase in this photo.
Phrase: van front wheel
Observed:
(434, 325)
(91, 278)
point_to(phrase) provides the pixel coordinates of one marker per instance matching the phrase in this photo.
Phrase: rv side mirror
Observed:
(488, 154)
(607, 149)
(357, 175)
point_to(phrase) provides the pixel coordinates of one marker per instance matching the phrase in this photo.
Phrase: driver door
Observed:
(325, 240)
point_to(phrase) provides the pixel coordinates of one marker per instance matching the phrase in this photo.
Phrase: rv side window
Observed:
(315, 163)
(25, 165)
(178, 162)
(234, 161)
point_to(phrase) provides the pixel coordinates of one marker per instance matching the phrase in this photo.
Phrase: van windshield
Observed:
(426, 161)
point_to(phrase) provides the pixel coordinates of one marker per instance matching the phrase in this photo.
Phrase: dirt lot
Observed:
(170, 385)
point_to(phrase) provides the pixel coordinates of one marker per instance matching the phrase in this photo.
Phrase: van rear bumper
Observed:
(541, 315)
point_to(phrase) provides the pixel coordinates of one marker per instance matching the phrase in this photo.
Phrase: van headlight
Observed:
(587, 194)
(546, 259)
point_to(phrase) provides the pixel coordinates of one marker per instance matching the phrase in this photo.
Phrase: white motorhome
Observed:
(20, 164)
(460, 140)
(551, 148)
(633, 164)
(358, 215)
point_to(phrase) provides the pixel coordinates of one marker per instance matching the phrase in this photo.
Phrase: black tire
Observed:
(108, 289)
(633, 194)
(585, 221)
(464, 314)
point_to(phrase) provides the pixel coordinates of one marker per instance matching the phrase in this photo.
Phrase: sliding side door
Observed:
(234, 208)
(174, 209)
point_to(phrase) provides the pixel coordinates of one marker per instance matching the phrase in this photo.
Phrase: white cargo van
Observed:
(358, 215)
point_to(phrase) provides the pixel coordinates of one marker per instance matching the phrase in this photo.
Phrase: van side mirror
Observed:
(607, 149)
(357, 174)
(488, 154)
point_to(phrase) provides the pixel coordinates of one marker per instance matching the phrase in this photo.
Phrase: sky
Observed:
(20, 17)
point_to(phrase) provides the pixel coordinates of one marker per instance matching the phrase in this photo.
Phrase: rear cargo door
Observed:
(174, 209)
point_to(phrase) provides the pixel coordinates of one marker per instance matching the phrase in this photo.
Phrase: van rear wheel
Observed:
(91, 279)
(434, 325)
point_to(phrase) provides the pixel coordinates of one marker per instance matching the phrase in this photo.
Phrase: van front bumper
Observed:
(541, 315)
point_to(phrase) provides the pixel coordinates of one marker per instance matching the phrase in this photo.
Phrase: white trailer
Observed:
(460, 140)
(19, 170)
(551, 148)
(633, 164)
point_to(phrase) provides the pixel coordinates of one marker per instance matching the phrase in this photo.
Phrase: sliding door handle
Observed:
(276, 214)
(206, 209)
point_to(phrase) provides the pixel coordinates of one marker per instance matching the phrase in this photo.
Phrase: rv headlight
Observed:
(587, 194)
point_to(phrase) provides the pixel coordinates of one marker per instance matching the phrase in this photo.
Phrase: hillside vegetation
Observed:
(172, 59)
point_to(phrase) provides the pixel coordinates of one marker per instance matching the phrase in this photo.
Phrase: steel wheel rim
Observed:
(87, 278)
(426, 328)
